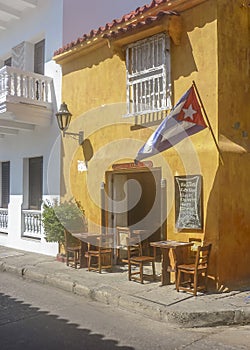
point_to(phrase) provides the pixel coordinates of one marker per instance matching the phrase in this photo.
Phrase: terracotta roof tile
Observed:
(104, 31)
(133, 26)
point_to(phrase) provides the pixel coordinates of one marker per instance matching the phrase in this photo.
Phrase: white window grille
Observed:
(148, 75)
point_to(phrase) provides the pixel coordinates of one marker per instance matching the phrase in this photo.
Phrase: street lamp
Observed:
(63, 117)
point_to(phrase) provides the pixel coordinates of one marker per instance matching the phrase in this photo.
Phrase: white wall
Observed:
(40, 142)
(45, 21)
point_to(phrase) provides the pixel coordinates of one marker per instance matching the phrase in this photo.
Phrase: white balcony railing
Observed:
(3, 220)
(27, 87)
(32, 223)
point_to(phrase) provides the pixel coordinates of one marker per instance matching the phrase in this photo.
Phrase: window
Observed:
(148, 75)
(35, 182)
(8, 61)
(39, 50)
(5, 184)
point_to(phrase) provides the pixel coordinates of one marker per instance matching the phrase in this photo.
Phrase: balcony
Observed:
(3, 220)
(32, 223)
(25, 100)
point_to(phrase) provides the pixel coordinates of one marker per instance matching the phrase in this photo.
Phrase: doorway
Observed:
(134, 200)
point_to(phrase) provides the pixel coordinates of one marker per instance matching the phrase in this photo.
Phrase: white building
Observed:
(30, 94)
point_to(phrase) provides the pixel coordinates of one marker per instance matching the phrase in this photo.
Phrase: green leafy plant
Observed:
(56, 217)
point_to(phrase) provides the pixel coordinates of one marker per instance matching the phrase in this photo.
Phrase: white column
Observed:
(16, 199)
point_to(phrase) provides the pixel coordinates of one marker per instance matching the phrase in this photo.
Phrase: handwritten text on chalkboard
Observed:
(188, 200)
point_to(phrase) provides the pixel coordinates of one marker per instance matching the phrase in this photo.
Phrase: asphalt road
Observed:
(35, 316)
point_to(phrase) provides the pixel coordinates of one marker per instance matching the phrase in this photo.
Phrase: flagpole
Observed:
(208, 122)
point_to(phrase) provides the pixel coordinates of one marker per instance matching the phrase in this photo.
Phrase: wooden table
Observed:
(85, 238)
(165, 247)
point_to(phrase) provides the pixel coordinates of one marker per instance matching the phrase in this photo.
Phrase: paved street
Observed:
(35, 316)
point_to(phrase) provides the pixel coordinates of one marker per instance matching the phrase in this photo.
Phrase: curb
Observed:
(147, 308)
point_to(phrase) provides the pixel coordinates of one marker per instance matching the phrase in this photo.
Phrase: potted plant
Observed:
(58, 217)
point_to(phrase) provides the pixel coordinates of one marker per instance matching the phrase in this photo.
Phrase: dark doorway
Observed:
(136, 201)
(39, 55)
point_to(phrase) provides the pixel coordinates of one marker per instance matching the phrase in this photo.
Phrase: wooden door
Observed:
(39, 57)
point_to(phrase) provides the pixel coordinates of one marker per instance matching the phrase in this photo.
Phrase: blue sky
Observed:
(97, 13)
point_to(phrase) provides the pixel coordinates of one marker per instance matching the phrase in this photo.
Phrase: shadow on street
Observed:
(26, 327)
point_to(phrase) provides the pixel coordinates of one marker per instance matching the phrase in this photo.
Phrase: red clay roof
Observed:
(132, 26)
(105, 31)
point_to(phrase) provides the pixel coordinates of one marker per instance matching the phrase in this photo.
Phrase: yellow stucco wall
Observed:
(94, 87)
(233, 178)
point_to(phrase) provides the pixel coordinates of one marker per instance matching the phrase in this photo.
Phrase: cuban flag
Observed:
(184, 120)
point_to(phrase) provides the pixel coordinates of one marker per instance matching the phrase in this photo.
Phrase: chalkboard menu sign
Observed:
(188, 202)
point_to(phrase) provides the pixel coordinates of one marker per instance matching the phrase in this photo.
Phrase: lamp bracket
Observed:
(75, 135)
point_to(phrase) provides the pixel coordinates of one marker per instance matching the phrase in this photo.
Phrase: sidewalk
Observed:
(150, 299)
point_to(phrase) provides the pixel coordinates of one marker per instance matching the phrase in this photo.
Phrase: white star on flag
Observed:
(175, 127)
(188, 112)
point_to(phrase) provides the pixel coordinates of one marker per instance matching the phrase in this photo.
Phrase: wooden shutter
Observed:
(35, 182)
(39, 53)
(5, 184)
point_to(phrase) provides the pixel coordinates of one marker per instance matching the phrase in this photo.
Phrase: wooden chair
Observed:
(195, 272)
(122, 233)
(138, 259)
(101, 257)
(72, 249)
